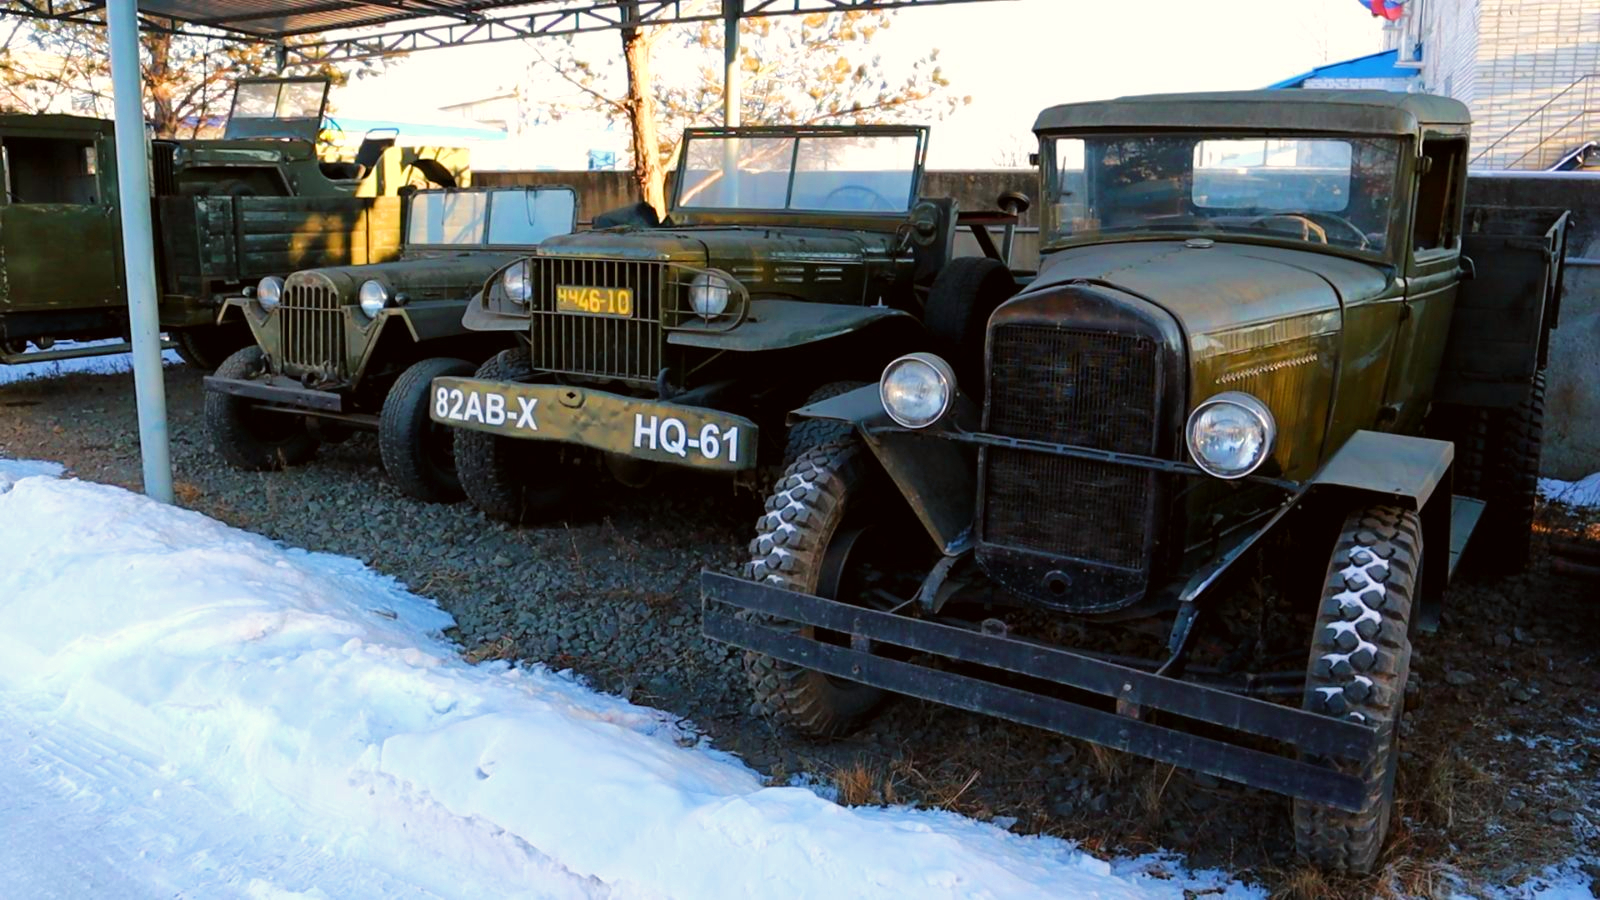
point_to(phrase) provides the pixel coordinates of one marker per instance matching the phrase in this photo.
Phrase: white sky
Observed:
(1014, 57)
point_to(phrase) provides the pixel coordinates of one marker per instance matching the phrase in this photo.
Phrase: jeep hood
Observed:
(714, 247)
(452, 277)
(1222, 286)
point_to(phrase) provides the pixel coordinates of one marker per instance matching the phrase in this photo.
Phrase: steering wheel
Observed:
(875, 200)
(1313, 225)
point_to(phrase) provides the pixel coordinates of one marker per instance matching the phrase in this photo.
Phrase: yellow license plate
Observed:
(594, 301)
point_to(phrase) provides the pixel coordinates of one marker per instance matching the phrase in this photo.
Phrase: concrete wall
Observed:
(1572, 436)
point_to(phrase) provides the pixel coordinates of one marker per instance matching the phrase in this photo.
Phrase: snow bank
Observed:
(96, 365)
(1582, 494)
(305, 688)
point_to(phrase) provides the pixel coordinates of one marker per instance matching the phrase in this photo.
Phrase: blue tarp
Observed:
(1376, 65)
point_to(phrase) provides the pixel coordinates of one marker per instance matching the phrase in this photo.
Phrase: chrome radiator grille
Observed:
(312, 329)
(627, 348)
(1087, 389)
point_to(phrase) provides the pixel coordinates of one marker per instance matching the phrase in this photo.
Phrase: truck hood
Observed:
(722, 247)
(444, 277)
(1222, 286)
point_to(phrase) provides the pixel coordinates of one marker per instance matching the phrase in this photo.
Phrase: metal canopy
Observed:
(401, 26)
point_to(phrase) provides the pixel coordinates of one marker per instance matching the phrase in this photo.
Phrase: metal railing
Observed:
(1566, 119)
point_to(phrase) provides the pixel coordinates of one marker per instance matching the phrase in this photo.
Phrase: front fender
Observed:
(782, 324)
(938, 478)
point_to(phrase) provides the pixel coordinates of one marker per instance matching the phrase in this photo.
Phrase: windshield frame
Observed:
(714, 215)
(489, 205)
(1395, 235)
(306, 128)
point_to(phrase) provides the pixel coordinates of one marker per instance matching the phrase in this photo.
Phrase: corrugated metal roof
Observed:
(271, 19)
(1385, 64)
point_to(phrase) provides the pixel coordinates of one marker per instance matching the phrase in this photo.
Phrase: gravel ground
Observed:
(1499, 777)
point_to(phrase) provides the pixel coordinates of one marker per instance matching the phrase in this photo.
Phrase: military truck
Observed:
(794, 262)
(1262, 320)
(258, 202)
(358, 346)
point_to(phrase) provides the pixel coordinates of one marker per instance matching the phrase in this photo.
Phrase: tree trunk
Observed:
(159, 81)
(648, 172)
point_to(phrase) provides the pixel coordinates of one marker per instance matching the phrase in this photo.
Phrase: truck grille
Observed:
(1088, 389)
(595, 345)
(312, 324)
(164, 168)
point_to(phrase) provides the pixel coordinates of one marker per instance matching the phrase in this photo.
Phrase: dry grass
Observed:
(187, 493)
(863, 784)
(502, 647)
(1109, 764)
(1153, 790)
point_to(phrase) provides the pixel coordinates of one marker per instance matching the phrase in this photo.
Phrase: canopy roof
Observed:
(1361, 112)
(401, 26)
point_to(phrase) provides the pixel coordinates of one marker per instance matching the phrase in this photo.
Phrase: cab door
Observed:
(1433, 270)
(59, 233)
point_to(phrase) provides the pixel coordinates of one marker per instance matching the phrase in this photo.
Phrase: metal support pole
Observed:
(731, 100)
(138, 246)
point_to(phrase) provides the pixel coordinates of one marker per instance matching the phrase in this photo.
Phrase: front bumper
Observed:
(644, 429)
(1220, 733)
(278, 390)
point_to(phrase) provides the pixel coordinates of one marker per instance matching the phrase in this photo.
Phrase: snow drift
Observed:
(307, 690)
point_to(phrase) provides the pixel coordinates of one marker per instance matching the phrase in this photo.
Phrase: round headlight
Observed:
(514, 281)
(917, 389)
(1230, 435)
(708, 294)
(372, 296)
(269, 291)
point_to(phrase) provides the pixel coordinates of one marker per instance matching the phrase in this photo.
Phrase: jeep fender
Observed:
(1410, 472)
(938, 478)
(782, 324)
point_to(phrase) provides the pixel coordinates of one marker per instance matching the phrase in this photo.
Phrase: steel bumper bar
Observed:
(283, 394)
(1229, 749)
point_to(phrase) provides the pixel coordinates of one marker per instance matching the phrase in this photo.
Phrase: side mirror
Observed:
(924, 224)
(1469, 269)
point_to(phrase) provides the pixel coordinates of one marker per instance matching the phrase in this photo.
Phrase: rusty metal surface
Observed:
(643, 429)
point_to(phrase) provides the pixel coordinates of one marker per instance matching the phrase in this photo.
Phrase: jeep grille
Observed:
(1088, 389)
(312, 326)
(595, 345)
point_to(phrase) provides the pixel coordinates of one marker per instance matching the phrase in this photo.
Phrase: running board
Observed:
(33, 356)
(1464, 515)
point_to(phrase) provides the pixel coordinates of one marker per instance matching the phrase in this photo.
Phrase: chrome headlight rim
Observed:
(1253, 407)
(269, 292)
(372, 297)
(515, 284)
(943, 375)
(710, 295)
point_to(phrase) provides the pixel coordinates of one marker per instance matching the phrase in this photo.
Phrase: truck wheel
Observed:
(247, 436)
(808, 433)
(419, 453)
(813, 518)
(963, 296)
(1360, 658)
(510, 479)
(206, 346)
(1497, 461)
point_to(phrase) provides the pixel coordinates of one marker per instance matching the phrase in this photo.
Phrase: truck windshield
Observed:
(279, 99)
(508, 217)
(1321, 190)
(814, 173)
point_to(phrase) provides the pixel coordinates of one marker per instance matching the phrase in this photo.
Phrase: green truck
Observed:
(259, 201)
(794, 262)
(1265, 330)
(358, 346)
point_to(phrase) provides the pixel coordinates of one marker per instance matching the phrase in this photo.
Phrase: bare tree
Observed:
(812, 69)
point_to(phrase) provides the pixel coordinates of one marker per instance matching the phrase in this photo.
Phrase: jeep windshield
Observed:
(828, 172)
(1330, 191)
(510, 217)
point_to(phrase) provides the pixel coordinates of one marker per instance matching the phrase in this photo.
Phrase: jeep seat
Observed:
(367, 156)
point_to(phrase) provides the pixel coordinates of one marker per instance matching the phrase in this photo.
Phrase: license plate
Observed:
(644, 429)
(595, 301)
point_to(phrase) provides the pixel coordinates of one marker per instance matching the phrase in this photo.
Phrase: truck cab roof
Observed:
(1356, 112)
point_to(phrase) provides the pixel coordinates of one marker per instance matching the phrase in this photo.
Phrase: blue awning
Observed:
(1376, 65)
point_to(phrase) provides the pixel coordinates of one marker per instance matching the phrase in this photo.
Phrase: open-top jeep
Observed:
(258, 202)
(358, 346)
(794, 263)
(1250, 309)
